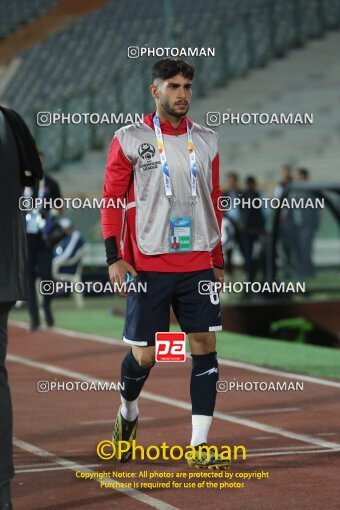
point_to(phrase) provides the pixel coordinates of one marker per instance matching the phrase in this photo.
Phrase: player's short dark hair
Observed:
(169, 67)
(304, 172)
(250, 180)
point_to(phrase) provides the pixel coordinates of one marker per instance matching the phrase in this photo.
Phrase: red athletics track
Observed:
(293, 435)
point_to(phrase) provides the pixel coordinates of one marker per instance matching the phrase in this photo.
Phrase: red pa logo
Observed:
(170, 346)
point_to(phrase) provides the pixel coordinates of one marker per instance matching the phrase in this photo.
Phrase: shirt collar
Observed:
(166, 127)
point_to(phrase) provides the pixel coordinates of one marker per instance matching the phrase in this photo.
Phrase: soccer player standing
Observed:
(167, 169)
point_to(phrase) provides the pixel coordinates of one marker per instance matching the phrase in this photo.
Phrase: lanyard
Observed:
(165, 168)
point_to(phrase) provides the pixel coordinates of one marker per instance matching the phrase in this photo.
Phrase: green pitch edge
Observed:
(288, 356)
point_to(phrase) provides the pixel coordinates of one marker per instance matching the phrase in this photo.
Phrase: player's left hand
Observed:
(219, 276)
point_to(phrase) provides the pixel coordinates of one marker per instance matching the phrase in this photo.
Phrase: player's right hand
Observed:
(117, 272)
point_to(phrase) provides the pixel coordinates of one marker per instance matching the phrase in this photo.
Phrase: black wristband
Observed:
(111, 249)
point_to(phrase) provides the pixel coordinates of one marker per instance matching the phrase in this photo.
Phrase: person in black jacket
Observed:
(19, 166)
(232, 216)
(252, 226)
(39, 253)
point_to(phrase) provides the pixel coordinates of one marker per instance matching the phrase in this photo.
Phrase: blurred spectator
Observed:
(52, 189)
(286, 180)
(252, 226)
(40, 231)
(287, 230)
(231, 220)
(20, 166)
(306, 221)
(68, 256)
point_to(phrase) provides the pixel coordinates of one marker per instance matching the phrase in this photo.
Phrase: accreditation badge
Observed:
(180, 235)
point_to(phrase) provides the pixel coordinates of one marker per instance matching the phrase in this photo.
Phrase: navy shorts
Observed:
(149, 312)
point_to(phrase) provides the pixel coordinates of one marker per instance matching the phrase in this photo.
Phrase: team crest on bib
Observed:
(147, 151)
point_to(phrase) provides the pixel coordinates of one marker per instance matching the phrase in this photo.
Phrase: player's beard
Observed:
(171, 111)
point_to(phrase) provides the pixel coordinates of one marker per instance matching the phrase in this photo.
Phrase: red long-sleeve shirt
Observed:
(119, 184)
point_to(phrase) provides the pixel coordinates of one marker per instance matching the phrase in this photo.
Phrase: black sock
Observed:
(204, 377)
(133, 377)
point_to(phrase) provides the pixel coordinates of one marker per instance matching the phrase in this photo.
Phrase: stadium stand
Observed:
(82, 67)
(20, 12)
(308, 80)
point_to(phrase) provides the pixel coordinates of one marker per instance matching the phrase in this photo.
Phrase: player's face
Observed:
(174, 95)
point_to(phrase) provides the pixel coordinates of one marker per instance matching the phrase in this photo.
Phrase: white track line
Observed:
(267, 411)
(73, 466)
(262, 438)
(222, 361)
(48, 464)
(96, 422)
(279, 373)
(281, 448)
(264, 454)
(73, 334)
(48, 468)
(302, 452)
(245, 422)
(178, 403)
(326, 434)
(105, 422)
